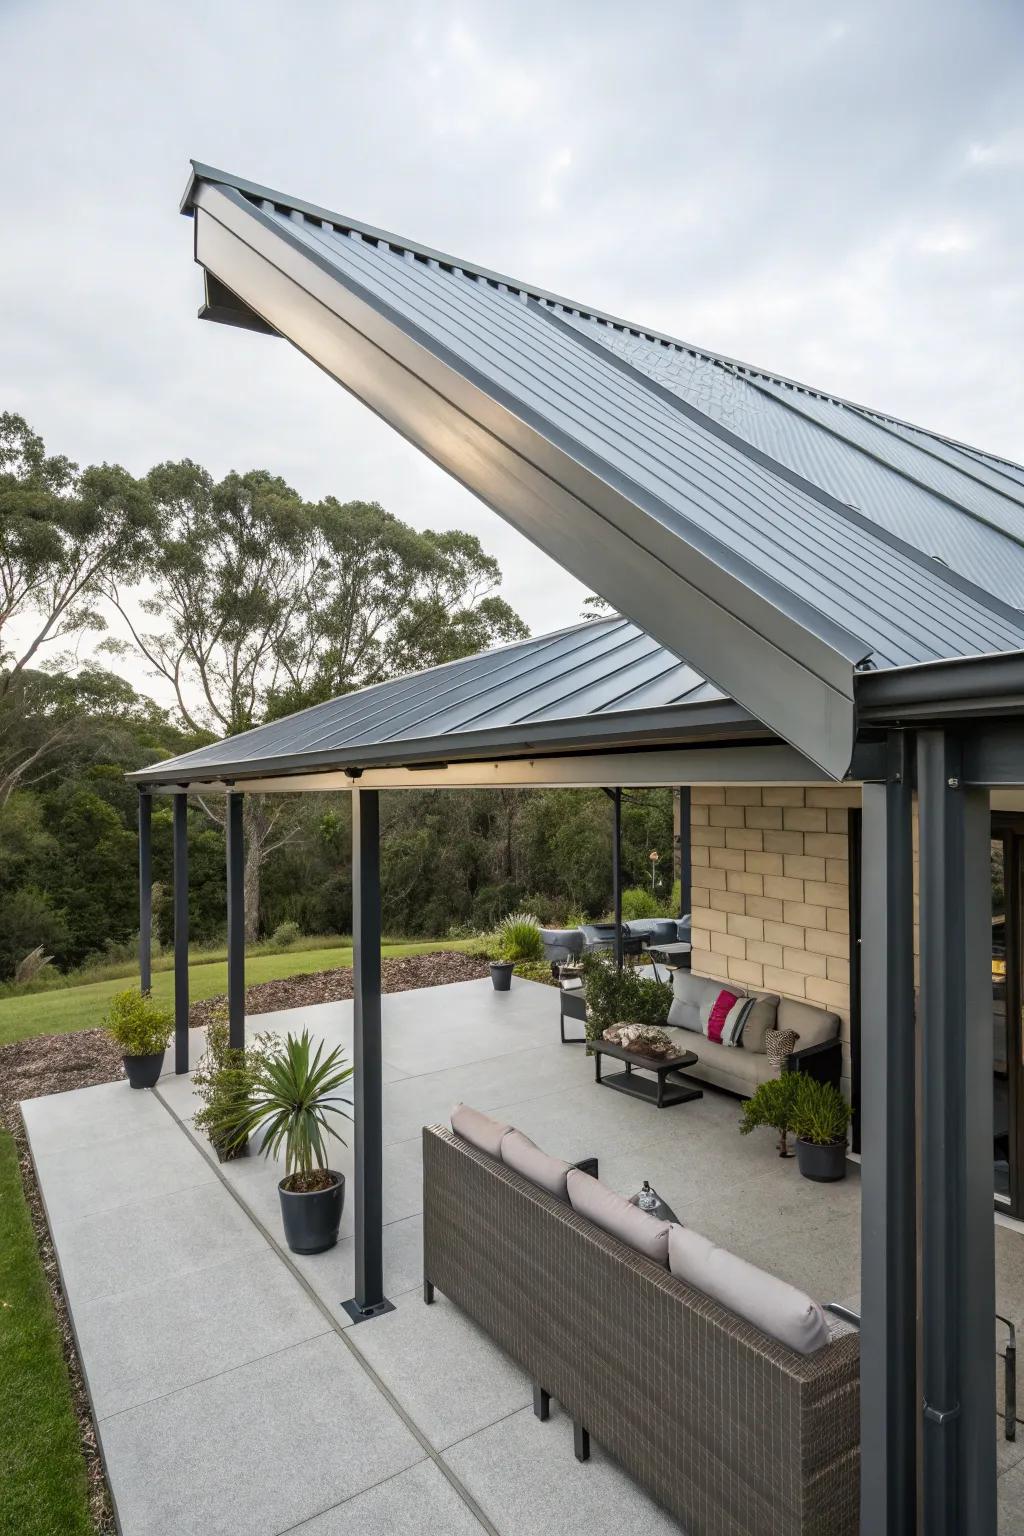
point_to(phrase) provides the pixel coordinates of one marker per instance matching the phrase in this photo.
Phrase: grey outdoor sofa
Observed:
(732, 1432)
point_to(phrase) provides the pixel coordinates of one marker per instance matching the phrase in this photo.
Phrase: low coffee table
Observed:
(657, 1092)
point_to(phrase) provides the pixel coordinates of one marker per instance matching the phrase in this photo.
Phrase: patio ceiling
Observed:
(738, 549)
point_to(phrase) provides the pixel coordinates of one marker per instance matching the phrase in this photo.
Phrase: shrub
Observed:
(224, 1080)
(137, 1025)
(773, 1104)
(639, 902)
(285, 935)
(621, 997)
(519, 937)
(536, 970)
(820, 1113)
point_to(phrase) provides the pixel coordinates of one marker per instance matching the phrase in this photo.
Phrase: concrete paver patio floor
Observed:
(233, 1396)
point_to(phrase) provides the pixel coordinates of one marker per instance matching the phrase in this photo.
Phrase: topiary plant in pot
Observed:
(142, 1031)
(293, 1100)
(821, 1117)
(773, 1105)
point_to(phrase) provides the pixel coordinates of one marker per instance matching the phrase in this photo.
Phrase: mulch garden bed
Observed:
(57, 1063)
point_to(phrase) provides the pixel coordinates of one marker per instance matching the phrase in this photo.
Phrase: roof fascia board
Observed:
(613, 731)
(766, 763)
(961, 688)
(731, 634)
(211, 175)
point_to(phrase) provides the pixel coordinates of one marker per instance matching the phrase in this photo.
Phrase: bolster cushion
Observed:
(478, 1129)
(547, 1172)
(771, 1304)
(614, 1214)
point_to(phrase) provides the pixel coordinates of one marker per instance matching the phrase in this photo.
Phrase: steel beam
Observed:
(369, 1300)
(236, 920)
(957, 1237)
(145, 890)
(683, 831)
(888, 1370)
(181, 933)
(617, 874)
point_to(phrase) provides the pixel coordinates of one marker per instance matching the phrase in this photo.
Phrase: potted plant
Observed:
(293, 1098)
(621, 997)
(518, 939)
(773, 1105)
(142, 1031)
(821, 1117)
(224, 1081)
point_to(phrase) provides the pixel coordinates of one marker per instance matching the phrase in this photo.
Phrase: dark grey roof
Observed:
(778, 537)
(602, 683)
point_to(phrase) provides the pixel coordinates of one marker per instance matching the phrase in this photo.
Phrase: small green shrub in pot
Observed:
(224, 1082)
(773, 1105)
(142, 1032)
(821, 1118)
(621, 997)
(295, 1101)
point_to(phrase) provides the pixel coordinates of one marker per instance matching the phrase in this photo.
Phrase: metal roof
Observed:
(778, 537)
(599, 683)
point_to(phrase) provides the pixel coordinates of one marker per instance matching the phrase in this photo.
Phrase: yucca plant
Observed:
(294, 1092)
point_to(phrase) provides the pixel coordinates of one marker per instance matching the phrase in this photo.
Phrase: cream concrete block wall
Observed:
(771, 891)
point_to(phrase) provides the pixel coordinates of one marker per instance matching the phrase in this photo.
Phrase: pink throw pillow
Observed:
(719, 1013)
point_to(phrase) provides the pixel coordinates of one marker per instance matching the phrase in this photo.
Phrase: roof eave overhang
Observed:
(692, 599)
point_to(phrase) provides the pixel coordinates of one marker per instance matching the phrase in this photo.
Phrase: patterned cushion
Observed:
(480, 1130)
(735, 1021)
(614, 1214)
(760, 1018)
(718, 1013)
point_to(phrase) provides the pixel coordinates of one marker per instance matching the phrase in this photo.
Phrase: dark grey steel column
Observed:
(145, 890)
(617, 872)
(181, 932)
(236, 920)
(957, 1236)
(685, 850)
(889, 1405)
(369, 1300)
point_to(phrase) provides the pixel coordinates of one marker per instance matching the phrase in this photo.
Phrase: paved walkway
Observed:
(232, 1395)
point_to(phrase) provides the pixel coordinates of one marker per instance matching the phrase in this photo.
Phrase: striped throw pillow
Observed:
(735, 1019)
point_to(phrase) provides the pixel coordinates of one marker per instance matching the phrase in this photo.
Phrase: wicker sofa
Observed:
(732, 1432)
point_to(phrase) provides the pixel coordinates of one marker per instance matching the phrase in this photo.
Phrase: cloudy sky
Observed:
(833, 191)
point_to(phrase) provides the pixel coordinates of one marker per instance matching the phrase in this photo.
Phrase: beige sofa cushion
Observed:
(522, 1154)
(724, 1066)
(813, 1025)
(479, 1129)
(771, 1304)
(692, 998)
(761, 1017)
(614, 1214)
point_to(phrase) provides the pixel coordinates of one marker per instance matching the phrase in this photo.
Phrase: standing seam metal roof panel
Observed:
(802, 544)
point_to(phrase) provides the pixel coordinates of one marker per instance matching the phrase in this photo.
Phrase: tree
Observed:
(266, 604)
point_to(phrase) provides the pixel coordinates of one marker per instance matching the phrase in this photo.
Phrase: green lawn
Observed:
(81, 1007)
(43, 1487)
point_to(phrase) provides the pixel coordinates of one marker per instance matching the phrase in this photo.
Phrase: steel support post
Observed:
(888, 1368)
(369, 1300)
(181, 932)
(682, 832)
(617, 873)
(236, 920)
(957, 1235)
(145, 890)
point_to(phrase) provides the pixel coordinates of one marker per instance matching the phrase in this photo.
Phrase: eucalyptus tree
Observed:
(64, 534)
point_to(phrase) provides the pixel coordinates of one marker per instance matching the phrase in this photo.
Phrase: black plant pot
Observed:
(311, 1221)
(824, 1164)
(144, 1071)
(501, 975)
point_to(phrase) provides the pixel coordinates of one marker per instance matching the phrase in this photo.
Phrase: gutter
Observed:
(964, 687)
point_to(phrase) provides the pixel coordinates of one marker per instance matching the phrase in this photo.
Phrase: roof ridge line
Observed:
(817, 493)
(251, 189)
